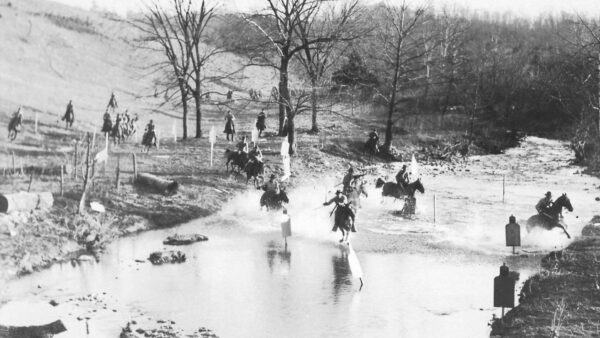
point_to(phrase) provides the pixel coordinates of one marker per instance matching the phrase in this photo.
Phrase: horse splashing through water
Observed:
(273, 201)
(355, 193)
(342, 221)
(391, 189)
(550, 219)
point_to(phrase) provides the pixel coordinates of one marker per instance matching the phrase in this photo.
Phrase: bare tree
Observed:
(399, 54)
(318, 58)
(280, 24)
(178, 31)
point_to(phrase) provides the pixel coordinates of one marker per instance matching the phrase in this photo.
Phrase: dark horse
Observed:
(69, 117)
(342, 221)
(148, 140)
(236, 159)
(391, 189)
(550, 218)
(14, 126)
(254, 169)
(371, 147)
(273, 201)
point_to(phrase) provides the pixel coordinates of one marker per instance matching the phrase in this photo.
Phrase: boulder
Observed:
(162, 257)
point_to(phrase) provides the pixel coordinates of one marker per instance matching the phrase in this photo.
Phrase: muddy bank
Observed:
(564, 298)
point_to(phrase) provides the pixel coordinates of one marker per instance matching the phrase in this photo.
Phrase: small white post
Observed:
(434, 207)
(174, 131)
(157, 139)
(212, 136)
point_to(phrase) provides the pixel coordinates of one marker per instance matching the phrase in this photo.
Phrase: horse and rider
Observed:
(255, 166)
(550, 212)
(149, 139)
(14, 126)
(372, 144)
(402, 187)
(344, 216)
(229, 125)
(69, 115)
(274, 195)
(260, 122)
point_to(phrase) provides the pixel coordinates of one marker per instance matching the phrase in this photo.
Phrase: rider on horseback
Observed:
(69, 115)
(271, 186)
(255, 154)
(149, 135)
(543, 204)
(374, 137)
(402, 177)
(112, 102)
(341, 205)
(260, 122)
(242, 146)
(348, 179)
(107, 123)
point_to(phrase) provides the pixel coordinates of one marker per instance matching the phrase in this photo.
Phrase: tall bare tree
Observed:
(178, 31)
(280, 24)
(399, 54)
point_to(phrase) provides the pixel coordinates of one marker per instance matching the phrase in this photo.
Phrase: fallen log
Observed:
(161, 185)
(25, 319)
(25, 201)
(184, 239)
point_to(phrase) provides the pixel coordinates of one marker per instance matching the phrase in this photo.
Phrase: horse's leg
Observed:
(343, 234)
(565, 230)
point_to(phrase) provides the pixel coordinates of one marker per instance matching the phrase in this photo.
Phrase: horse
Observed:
(69, 117)
(372, 148)
(236, 159)
(342, 221)
(14, 127)
(254, 169)
(274, 201)
(391, 189)
(117, 132)
(550, 218)
(354, 194)
(148, 140)
(129, 129)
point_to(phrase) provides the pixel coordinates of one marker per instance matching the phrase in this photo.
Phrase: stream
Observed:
(421, 278)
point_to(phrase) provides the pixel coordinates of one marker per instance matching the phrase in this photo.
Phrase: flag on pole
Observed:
(212, 136)
(355, 268)
(285, 148)
(174, 131)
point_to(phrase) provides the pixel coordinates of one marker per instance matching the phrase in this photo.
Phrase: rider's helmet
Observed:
(548, 194)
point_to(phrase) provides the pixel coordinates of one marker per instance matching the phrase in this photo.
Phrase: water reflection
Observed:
(341, 273)
(274, 250)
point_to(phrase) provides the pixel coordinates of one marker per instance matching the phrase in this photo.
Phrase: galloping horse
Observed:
(254, 169)
(117, 132)
(550, 219)
(148, 140)
(342, 221)
(236, 159)
(14, 127)
(391, 189)
(69, 117)
(129, 129)
(274, 201)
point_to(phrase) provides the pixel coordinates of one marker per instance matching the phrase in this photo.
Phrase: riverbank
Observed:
(563, 299)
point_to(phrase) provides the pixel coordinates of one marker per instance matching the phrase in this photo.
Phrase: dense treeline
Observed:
(537, 76)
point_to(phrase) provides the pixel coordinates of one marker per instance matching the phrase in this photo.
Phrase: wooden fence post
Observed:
(118, 181)
(30, 181)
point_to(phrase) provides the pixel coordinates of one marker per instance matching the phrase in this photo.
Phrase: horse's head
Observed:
(379, 183)
(564, 201)
(419, 186)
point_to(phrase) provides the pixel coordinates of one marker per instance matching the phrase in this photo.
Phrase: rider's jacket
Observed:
(402, 176)
(373, 136)
(543, 204)
(242, 146)
(347, 179)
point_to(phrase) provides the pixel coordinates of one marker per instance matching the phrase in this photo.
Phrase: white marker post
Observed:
(285, 157)
(355, 265)
(174, 131)
(212, 136)
(157, 139)
(255, 136)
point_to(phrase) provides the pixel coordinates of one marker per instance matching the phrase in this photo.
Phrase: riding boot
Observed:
(353, 227)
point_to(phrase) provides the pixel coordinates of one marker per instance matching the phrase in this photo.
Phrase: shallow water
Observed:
(421, 279)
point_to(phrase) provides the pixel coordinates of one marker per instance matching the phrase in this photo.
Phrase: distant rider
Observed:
(69, 113)
(112, 102)
(107, 123)
(229, 125)
(543, 204)
(260, 122)
(373, 140)
(149, 135)
(341, 205)
(402, 177)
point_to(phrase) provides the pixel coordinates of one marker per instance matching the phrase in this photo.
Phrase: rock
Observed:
(53, 303)
(184, 239)
(597, 199)
(173, 256)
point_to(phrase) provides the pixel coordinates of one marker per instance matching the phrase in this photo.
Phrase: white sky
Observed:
(525, 8)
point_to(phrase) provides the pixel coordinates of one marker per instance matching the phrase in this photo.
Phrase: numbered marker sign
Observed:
(254, 135)
(285, 148)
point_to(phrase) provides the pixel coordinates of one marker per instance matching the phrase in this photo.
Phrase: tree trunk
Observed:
(284, 93)
(184, 96)
(315, 126)
(291, 135)
(392, 104)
